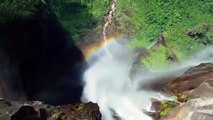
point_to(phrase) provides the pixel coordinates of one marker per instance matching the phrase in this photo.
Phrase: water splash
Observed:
(107, 83)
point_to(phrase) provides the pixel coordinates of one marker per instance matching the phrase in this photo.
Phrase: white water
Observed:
(107, 83)
(108, 19)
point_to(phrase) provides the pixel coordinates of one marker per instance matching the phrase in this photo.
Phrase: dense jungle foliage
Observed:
(187, 25)
(144, 21)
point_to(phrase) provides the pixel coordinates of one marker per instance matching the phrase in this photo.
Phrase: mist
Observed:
(107, 82)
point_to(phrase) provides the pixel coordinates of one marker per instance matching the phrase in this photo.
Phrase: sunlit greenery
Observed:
(143, 20)
(167, 106)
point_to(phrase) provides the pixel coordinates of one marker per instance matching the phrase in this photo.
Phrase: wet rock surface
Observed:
(193, 77)
(195, 109)
(196, 83)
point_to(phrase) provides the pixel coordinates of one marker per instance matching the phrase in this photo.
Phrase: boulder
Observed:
(205, 90)
(193, 77)
(7, 109)
(26, 113)
(196, 83)
(195, 109)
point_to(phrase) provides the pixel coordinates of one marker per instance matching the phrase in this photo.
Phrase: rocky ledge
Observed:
(39, 111)
(197, 84)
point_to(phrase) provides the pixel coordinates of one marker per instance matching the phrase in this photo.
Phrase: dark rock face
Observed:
(29, 113)
(26, 113)
(38, 59)
(156, 106)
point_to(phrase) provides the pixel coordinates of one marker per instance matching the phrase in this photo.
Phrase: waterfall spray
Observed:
(107, 83)
(107, 80)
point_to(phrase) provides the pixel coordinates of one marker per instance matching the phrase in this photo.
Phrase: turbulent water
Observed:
(107, 83)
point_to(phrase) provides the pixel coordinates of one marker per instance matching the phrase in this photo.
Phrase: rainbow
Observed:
(96, 48)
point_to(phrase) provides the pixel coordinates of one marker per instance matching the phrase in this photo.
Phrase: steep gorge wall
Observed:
(40, 59)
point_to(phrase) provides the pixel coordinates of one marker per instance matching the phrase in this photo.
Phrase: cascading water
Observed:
(108, 84)
(108, 19)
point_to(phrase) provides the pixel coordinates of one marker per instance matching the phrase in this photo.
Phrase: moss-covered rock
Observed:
(203, 33)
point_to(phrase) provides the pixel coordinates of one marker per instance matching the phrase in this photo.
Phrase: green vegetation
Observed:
(144, 20)
(151, 18)
(166, 106)
(173, 19)
(159, 57)
(64, 117)
(58, 114)
(80, 107)
(82, 18)
(16, 9)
